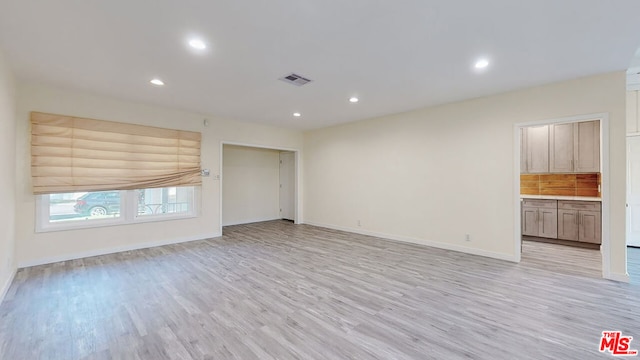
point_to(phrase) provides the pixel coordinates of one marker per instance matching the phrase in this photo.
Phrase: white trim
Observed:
(569, 119)
(517, 249)
(412, 240)
(606, 203)
(114, 250)
(221, 192)
(619, 277)
(224, 142)
(298, 172)
(605, 248)
(7, 285)
(252, 221)
(297, 206)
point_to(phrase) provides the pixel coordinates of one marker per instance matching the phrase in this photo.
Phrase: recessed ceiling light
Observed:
(354, 99)
(157, 82)
(481, 63)
(297, 114)
(197, 44)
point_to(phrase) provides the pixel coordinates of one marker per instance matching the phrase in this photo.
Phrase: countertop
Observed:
(557, 197)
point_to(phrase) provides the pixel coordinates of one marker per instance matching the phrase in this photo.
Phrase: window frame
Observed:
(128, 213)
(137, 218)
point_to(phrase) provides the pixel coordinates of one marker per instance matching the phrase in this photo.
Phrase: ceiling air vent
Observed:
(295, 79)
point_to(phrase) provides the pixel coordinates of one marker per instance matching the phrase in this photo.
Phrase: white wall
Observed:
(250, 185)
(7, 175)
(433, 175)
(633, 115)
(35, 248)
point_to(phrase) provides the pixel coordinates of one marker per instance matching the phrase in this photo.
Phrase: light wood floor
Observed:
(562, 259)
(280, 291)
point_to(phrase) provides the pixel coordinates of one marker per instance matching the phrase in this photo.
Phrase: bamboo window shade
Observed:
(71, 154)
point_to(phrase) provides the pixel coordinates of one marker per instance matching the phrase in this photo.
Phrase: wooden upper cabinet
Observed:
(574, 147)
(536, 148)
(586, 146)
(561, 148)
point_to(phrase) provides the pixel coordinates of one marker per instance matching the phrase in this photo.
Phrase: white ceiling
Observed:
(394, 55)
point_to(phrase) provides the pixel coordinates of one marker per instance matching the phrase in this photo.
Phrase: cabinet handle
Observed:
(571, 165)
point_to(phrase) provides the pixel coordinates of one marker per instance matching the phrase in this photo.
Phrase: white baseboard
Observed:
(436, 244)
(618, 277)
(251, 221)
(55, 259)
(5, 287)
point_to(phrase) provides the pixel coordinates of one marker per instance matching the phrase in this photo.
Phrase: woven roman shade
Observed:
(71, 154)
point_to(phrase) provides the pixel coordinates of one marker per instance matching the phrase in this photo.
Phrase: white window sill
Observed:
(90, 224)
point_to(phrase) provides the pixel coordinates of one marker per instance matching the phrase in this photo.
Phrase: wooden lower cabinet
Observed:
(548, 223)
(562, 219)
(580, 221)
(568, 224)
(590, 227)
(540, 218)
(530, 221)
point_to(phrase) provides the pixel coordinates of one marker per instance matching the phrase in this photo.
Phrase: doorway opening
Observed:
(633, 169)
(562, 194)
(258, 183)
(633, 207)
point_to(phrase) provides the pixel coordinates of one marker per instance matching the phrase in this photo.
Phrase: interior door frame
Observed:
(605, 247)
(297, 172)
(291, 201)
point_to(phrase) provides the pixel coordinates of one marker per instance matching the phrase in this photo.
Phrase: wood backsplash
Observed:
(560, 184)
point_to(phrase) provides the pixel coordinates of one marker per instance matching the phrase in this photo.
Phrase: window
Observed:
(77, 162)
(163, 201)
(84, 206)
(64, 211)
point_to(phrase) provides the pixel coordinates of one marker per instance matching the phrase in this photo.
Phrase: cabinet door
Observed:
(586, 142)
(548, 223)
(561, 148)
(568, 224)
(530, 221)
(590, 226)
(538, 149)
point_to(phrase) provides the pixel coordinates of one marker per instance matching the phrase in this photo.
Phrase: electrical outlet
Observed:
(359, 224)
(467, 237)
